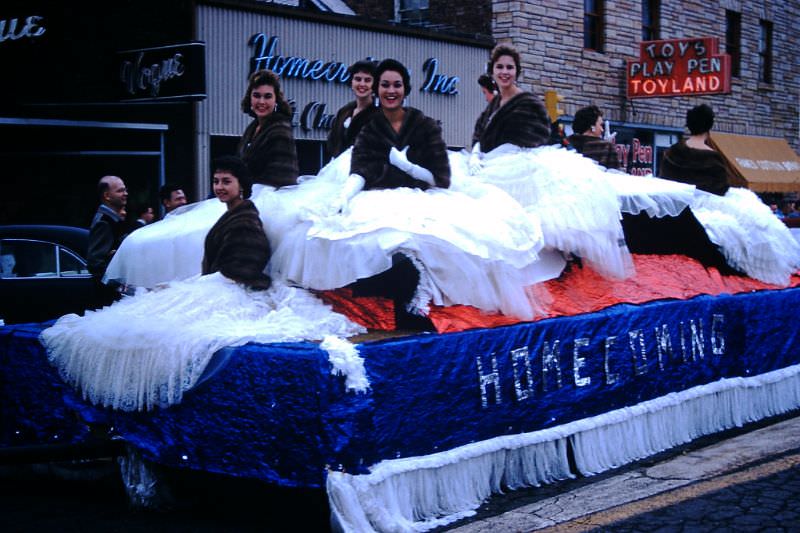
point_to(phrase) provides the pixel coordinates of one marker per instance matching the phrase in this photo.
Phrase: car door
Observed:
(41, 280)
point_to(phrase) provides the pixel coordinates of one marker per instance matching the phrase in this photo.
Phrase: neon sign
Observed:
(32, 28)
(164, 72)
(679, 67)
(265, 56)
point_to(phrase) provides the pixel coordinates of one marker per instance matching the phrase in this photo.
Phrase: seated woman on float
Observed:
(750, 237)
(561, 190)
(474, 248)
(173, 247)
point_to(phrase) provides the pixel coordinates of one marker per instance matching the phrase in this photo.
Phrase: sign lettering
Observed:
(31, 28)
(166, 72)
(678, 67)
(690, 342)
(266, 56)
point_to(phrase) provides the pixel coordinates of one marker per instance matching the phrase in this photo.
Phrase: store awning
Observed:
(762, 164)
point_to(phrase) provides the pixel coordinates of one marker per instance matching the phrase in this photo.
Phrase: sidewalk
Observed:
(647, 486)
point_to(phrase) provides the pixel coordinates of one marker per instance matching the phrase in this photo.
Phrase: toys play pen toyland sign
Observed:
(679, 67)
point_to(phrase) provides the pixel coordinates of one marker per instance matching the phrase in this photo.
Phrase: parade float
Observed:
(419, 428)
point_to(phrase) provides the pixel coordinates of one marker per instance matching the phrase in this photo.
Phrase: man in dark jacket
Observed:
(107, 230)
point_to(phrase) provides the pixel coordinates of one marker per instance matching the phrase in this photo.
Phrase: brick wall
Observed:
(549, 35)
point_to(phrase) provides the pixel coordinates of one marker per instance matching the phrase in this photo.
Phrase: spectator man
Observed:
(146, 216)
(108, 225)
(172, 197)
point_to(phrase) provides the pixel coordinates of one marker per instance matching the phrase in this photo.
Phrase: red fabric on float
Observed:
(578, 290)
(582, 290)
(371, 312)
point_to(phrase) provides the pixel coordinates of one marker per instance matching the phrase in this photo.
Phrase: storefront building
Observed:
(583, 51)
(151, 90)
(311, 54)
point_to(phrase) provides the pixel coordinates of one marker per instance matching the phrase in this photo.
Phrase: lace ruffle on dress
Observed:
(473, 245)
(146, 350)
(566, 194)
(752, 239)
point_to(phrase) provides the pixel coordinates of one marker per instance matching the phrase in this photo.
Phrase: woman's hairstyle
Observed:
(505, 50)
(365, 65)
(238, 168)
(585, 118)
(265, 77)
(395, 66)
(700, 119)
(486, 81)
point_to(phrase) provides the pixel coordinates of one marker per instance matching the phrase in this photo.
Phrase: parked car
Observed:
(43, 273)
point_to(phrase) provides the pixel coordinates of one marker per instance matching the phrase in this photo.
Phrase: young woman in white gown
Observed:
(752, 239)
(578, 202)
(564, 192)
(390, 196)
(146, 350)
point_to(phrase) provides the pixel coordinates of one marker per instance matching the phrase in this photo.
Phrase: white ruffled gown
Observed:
(472, 244)
(146, 350)
(566, 194)
(572, 197)
(752, 239)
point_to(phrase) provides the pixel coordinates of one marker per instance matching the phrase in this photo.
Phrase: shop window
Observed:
(651, 14)
(733, 39)
(765, 52)
(593, 27)
(414, 12)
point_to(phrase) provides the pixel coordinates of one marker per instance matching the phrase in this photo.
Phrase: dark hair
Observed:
(395, 66)
(505, 50)
(365, 65)
(265, 77)
(165, 192)
(700, 119)
(585, 118)
(237, 167)
(486, 81)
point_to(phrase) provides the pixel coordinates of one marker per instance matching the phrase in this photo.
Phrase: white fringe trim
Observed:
(421, 493)
(346, 361)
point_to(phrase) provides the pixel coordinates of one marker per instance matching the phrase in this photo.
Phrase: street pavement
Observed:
(747, 481)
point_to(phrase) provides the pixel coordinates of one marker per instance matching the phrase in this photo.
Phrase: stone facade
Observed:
(549, 35)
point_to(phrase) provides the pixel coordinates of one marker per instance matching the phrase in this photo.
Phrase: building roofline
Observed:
(358, 22)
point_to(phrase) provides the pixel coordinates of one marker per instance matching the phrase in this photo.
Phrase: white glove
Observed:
(475, 162)
(352, 186)
(339, 203)
(608, 136)
(400, 160)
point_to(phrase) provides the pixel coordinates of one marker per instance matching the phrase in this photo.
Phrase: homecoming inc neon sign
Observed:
(265, 56)
(679, 67)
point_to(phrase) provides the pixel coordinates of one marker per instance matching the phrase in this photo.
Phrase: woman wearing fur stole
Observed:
(352, 116)
(750, 237)
(267, 145)
(561, 190)
(393, 207)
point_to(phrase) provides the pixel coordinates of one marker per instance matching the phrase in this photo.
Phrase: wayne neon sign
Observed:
(679, 67)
